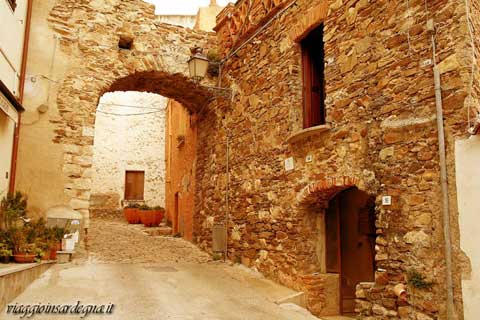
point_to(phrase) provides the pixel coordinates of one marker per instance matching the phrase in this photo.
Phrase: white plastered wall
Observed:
(467, 161)
(125, 142)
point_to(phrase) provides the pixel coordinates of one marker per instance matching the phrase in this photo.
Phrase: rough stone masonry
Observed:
(381, 135)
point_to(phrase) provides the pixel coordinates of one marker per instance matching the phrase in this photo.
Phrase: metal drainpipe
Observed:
(444, 185)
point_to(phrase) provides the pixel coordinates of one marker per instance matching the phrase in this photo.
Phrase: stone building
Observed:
(15, 17)
(129, 145)
(327, 161)
(180, 176)
(318, 134)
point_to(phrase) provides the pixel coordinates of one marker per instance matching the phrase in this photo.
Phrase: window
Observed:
(134, 185)
(313, 78)
(13, 4)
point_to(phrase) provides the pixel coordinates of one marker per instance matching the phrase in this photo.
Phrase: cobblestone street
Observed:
(113, 240)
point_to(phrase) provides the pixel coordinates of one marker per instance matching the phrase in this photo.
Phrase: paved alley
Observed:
(116, 241)
(157, 278)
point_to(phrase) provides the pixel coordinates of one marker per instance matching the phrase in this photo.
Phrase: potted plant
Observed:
(158, 214)
(146, 215)
(131, 213)
(22, 251)
(12, 208)
(58, 234)
(5, 253)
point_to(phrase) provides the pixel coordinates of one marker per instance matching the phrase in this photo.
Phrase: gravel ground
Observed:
(115, 241)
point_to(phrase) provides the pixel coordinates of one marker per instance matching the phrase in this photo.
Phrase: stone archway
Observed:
(322, 288)
(155, 61)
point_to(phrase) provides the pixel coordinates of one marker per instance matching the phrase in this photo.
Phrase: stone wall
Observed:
(76, 58)
(129, 135)
(382, 132)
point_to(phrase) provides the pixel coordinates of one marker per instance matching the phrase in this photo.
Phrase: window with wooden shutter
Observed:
(313, 61)
(134, 185)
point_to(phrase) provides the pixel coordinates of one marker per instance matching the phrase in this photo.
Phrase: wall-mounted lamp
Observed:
(198, 64)
(198, 67)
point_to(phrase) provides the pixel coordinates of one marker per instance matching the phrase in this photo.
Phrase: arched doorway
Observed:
(350, 242)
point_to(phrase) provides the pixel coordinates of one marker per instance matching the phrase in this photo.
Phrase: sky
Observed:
(182, 6)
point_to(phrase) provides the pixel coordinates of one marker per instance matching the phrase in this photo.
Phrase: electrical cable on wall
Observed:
(127, 114)
(128, 106)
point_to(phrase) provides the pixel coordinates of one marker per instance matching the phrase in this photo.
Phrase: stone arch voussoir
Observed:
(319, 193)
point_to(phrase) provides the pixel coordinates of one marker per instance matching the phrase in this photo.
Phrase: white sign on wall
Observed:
(289, 164)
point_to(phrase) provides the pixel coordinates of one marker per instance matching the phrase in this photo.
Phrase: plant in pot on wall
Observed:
(58, 235)
(22, 251)
(131, 213)
(12, 208)
(5, 253)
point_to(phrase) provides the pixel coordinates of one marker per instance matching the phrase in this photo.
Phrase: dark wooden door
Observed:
(134, 185)
(350, 243)
(176, 214)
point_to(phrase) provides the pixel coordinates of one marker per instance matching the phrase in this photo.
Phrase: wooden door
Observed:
(134, 185)
(357, 252)
(350, 243)
(175, 218)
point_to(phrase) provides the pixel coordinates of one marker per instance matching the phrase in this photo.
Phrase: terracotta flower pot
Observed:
(147, 217)
(53, 253)
(5, 259)
(46, 256)
(58, 246)
(132, 215)
(157, 217)
(24, 258)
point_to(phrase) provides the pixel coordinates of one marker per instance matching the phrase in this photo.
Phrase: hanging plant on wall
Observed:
(214, 63)
(417, 280)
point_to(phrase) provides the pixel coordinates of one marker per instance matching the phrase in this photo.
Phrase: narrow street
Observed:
(154, 277)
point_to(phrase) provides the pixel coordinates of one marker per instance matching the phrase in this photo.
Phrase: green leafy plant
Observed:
(160, 208)
(36, 231)
(417, 280)
(58, 233)
(13, 207)
(214, 63)
(19, 240)
(144, 207)
(132, 205)
(4, 250)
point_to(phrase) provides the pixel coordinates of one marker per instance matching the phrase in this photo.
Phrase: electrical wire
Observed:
(127, 114)
(127, 105)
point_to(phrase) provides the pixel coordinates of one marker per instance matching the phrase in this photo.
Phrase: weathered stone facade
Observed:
(382, 133)
(89, 63)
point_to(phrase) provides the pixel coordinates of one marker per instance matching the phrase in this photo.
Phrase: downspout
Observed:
(444, 183)
(23, 71)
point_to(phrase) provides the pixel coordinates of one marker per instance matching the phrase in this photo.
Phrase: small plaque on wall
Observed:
(289, 164)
